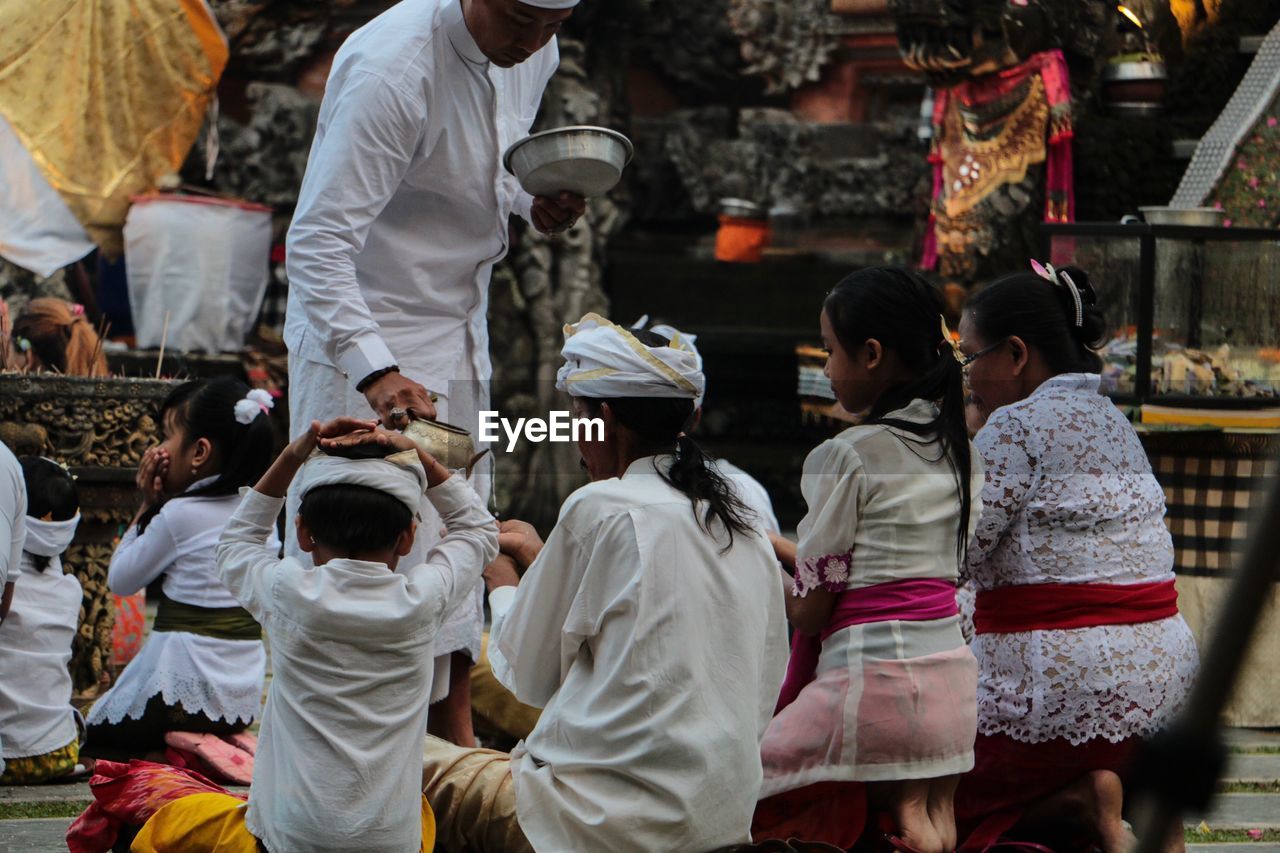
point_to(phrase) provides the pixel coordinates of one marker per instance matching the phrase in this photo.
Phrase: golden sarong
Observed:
(215, 822)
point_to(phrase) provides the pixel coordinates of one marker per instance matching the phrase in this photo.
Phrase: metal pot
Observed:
(583, 159)
(451, 446)
(1134, 89)
(1202, 216)
(740, 208)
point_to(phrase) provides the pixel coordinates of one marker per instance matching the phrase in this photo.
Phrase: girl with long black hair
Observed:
(196, 685)
(878, 710)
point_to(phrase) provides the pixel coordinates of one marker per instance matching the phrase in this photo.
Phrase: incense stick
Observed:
(103, 326)
(164, 336)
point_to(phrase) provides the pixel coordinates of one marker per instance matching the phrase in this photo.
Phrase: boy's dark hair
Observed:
(51, 491)
(355, 519)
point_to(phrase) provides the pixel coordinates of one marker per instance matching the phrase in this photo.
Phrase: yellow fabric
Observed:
(472, 791)
(215, 822)
(107, 95)
(493, 705)
(1224, 418)
(34, 769)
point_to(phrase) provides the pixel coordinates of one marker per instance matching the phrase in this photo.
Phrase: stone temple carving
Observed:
(785, 43)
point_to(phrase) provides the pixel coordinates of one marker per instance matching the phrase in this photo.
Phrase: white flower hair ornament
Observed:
(256, 402)
(1061, 279)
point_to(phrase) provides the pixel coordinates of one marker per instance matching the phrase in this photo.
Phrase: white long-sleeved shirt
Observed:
(13, 515)
(403, 210)
(221, 679)
(657, 659)
(339, 761)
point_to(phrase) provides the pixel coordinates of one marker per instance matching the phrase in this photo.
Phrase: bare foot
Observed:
(1096, 800)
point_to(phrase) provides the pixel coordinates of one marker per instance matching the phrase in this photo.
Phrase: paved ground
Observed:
(1228, 812)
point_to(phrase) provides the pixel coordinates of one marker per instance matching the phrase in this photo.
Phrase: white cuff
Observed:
(366, 353)
(501, 599)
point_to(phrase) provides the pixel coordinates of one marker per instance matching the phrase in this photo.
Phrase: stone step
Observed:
(1247, 739)
(1241, 811)
(49, 834)
(1243, 767)
(43, 835)
(78, 792)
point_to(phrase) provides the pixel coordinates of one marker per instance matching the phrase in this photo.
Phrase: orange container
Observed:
(741, 240)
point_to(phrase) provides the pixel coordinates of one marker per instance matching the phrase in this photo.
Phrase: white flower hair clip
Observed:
(256, 402)
(1061, 279)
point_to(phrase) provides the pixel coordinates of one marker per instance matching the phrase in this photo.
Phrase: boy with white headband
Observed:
(351, 639)
(650, 630)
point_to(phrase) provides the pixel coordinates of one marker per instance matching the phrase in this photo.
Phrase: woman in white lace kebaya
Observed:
(877, 713)
(201, 671)
(1079, 642)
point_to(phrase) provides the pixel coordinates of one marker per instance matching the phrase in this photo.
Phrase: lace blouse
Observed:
(1070, 498)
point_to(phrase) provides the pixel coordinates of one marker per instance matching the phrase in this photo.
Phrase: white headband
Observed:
(551, 4)
(49, 538)
(679, 340)
(400, 475)
(604, 361)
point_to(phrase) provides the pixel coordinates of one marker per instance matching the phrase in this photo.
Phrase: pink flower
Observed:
(1262, 202)
(1253, 183)
(1217, 205)
(1241, 164)
(1226, 223)
(1271, 121)
(1256, 834)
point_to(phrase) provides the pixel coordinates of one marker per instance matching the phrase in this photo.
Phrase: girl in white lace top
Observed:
(202, 668)
(1081, 649)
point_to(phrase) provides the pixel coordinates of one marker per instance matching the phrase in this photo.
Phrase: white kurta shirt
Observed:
(339, 761)
(35, 649)
(403, 211)
(221, 679)
(657, 659)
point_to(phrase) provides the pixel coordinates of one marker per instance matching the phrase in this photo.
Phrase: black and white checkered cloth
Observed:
(1212, 480)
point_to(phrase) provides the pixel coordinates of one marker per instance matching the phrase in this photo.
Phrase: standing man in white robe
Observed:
(401, 216)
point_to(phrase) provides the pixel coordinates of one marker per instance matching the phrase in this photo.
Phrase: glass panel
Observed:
(1217, 318)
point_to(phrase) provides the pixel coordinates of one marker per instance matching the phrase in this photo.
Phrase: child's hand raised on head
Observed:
(346, 438)
(151, 473)
(329, 431)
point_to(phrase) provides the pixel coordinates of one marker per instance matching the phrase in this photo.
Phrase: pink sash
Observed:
(905, 601)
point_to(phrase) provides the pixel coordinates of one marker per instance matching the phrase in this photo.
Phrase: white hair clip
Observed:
(255, 403)
(1061, 279)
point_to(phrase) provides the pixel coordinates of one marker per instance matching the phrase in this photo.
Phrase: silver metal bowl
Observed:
(1203, 216)
(584, 160)
(451, 446)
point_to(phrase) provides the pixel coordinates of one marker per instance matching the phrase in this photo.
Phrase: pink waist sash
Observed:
(904, 601)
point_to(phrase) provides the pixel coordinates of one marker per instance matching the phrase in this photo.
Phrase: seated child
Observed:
(41, 742)
(196, 685)
(340, 753)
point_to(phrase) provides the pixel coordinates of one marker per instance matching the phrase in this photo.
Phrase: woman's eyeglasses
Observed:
(970, 359)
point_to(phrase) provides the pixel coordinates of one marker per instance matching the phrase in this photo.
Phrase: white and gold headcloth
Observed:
(604, 361)
(679, 340)
(400, 475)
